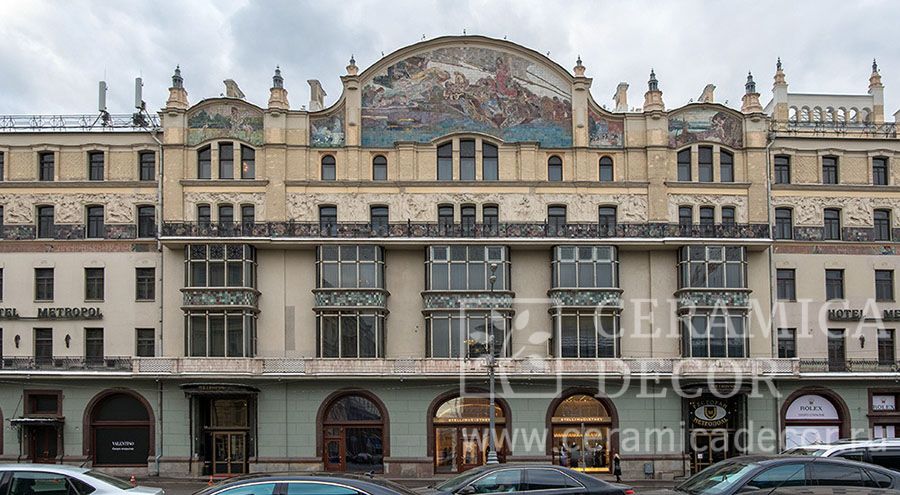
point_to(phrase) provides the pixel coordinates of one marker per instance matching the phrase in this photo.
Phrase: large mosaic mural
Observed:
(327, 131)
(705, 124)
(467, 88)
(604, 132)
(225, 120)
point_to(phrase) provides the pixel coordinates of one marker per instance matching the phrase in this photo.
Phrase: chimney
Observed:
(316, 95)
(621, 97)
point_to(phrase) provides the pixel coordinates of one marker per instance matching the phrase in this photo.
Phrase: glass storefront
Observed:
(714, 427)
(353, 434)
(580, 427)
(461, 427)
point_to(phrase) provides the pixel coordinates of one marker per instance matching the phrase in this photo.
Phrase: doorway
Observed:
(708, 448)
(43, 445)
(353, 433)
(229, 453)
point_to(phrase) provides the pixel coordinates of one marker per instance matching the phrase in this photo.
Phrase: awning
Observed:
(23, 421)
(218, 389)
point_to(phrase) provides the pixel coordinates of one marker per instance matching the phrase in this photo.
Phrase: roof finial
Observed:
(778, 64)
(750, 87)
(352, 60)
(277, 80)
(579, 68)
(352, 69)
(177, 80)
(874, 65)
(653, 84)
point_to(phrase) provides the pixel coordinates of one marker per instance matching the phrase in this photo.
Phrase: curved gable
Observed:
(483, 86)
(714, 123)
(225, 118)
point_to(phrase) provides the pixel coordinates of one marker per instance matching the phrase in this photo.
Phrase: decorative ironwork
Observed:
(469, 300)
(712, 298)
(350, 298)
(63, 232)
(78, 123)
(589, 298)
(107, 363)
(888, 129)
(232, 296)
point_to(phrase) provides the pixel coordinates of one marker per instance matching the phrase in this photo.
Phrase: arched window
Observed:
(467, 218)
(328, 219)
(728, 215)
(329, 168)
(379, 168)
(248, 162)
(606, 169)
(554, 169)
(726, 166)
(685, 216)
(378, 218)
(607, 219)
(204, 163)
(445, 217)
(460, 429)
(490, 168)
(353, 434)
(120, 430)
(580, 426)
(445, 161)
(490, 217)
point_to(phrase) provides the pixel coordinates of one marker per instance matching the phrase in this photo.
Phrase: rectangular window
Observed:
(95, 223)
(204, 163)
(95, 165)
(145, 284)
(787, 284)
(226, 215)
(248, 214)
(832, 230)
(2, 165)
(829, 170)
(707, 215)
(726, 166)
(467, 219)
(784, 223)
(147, 165)
(834, 284)
(584, 267)
(230, 333)
(714, 335)
(43, 348)
(461, 267)
(685, 216)
(248, 162)
(445, 217)
(782, 169)
(46, 166)
(837, 351)
(467, 159)
(684, 165)
(490, 169)
(607, 219)
(203, 215)
(705, 164)
(93, 284)
(93, 346)
(885, 346)
(556, 220)
(455, 335)
(787, 342)
(43, 284)
(884, 285)
(585, 335)
(379, 218)
(882, 223)
(146, 221)
(351, 267)
(445, 162)
(226, 161)
(145, 345)
(328, 220)
(350, 335)
(712, 267)
(880, 171)
(490, 218)
(728, 215)
(1, 298)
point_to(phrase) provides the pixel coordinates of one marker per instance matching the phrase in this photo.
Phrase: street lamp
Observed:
(492, 422)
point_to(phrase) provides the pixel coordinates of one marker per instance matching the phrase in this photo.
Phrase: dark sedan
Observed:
(311, 484)
(748, 473)
(510, 478)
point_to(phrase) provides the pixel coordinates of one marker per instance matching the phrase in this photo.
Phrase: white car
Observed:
(53, 479)
(883, 452)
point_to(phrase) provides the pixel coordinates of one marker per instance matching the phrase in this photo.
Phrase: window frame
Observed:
(598, 335)
(204, 162)
(881, 172)
(359, 262)
(379, 168)
(490, 161)
(784, 226)
(328, 168)
(248, 162)
(786, 336)
(345, 316)
(726, 167)
(94, 285)
(887, 346)
(786, 287)
(884, 287)
(467, 159)
(95, 222)
(729, 215)
(44, 281)
(46, 224)
(574, 263)
(146, 228)
(705, 167)
(96, 161)
(882, 227)
(606, 170)
(728, 335)
(144, 287)
(204, 259)
(444, 165)
(555, 169)
(834, 286)
(226, 160)
(445, 259)
(683, 167)
(782, 171)
(140, 342)
(247, 338)
(145, 165)
(831, 224)
(462, 324)
(830, 170)
(692, 267)
(46, 166)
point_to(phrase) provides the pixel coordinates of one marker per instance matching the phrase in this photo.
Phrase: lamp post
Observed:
(492, 421)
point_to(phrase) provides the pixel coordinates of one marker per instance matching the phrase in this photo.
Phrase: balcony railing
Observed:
(888, 129)
(107, 363)
(70, 232)
(77, 123)
(713, 298)
(230, 297)
(849, 366)
(312, 230)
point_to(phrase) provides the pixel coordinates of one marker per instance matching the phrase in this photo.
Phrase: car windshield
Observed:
(805, 451)
(109, 480)
(716, 479)
(457, 481)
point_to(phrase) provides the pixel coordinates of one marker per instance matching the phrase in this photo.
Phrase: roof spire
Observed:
(778, 64)
(750, 87)
(653, 84)
(352, 69)
(177, 80)
(874, 65)
(579, 68)
(277, 80)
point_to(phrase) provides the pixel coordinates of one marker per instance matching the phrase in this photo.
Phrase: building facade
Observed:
(233, 288)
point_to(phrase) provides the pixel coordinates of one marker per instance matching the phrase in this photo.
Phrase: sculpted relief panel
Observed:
(69, 208)
(192, 199)
(470, 89)
(739, 202)
(856, 212)
(529, 208)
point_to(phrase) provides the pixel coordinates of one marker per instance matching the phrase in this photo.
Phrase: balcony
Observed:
(336, 298)
(67, 363)
(228, 297)
(848, 366)
(693, 298)
(66, 232)
(498, 300)
(585, 297)
(411, 230)
(863, 129)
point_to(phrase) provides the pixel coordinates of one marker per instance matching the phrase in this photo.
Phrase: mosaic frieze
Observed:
(588, 298)
(855, 211)
(713, 298)
(467, 300)
(467, 89)
(604, 132)
(705, 124)
(225, 120)
(351, 298)
(69, 208)
(327, 131)
(219, 297)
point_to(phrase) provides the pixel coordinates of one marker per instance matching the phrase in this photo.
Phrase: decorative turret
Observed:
(177, 94)
(653, 97)
(579, 69)
(750, 101)
(780, 94)
(277, 94)
(876, 89)
(352, 69)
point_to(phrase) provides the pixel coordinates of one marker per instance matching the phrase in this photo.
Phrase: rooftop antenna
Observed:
(137, 118)
(103, 116)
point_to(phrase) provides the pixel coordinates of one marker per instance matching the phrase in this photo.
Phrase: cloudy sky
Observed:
(54, 52)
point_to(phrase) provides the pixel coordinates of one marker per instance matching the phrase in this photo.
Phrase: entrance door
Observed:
(334, 449)
(229, 454)
(472, 448)
(43, 444)
(708, 449)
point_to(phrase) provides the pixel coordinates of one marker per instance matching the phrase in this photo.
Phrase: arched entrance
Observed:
(582, 429)
(459, 429)
(120, 426)
(354, 432)
(813, 415)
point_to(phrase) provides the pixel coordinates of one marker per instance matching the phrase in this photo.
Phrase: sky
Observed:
(54, 52)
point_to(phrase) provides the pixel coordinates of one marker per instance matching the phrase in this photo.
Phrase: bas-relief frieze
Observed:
(69, 208)
(225, 120)
(739, 202)
(855, 211)
(632, 208)
(469, 89)
(192, 199)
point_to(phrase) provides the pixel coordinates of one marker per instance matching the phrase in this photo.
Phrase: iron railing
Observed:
(77, 123)
(106, 363)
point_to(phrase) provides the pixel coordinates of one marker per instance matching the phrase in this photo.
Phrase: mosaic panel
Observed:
(713, 298)
(351, 298)
(327, 131)
(468, 300)
(225, 120)
(219, 297)
(705, 124)
(604, 132)
(467, 88)
(586, 297)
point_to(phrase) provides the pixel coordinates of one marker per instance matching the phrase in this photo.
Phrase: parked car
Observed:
(884, 452)
(58, 479)
(746, 473)
(822, 490)
(305, 484)
(508, 478)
